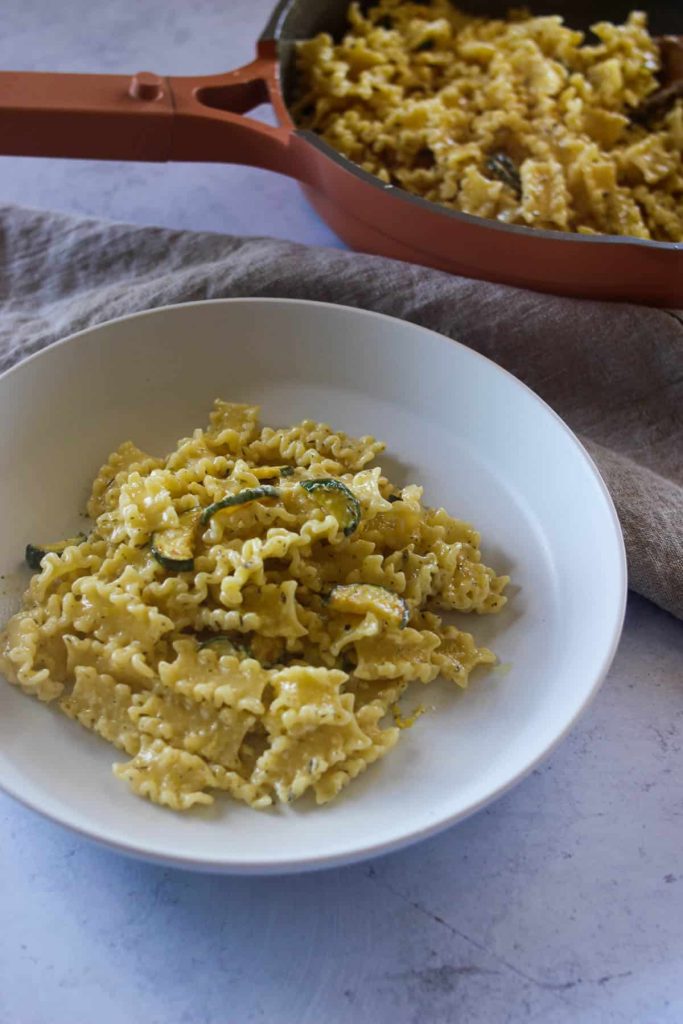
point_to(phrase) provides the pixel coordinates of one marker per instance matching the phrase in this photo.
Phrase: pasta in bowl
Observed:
(247, 611)
(481, 444)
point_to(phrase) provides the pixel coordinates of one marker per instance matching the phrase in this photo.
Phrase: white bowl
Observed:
(482, 444)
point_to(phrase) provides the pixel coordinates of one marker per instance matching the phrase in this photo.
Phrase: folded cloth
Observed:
(613, 371)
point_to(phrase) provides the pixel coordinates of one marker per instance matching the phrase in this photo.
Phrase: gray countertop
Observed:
(561, 903)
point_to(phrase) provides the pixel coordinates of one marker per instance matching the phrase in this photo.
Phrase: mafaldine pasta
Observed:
(246, 612)
(523, 120)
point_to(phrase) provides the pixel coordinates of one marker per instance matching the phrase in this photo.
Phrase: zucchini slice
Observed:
(241, 498)
(359, 598)
(35, 553)
(222, 644)
(174, 548)
(271, 472)
(335, 496)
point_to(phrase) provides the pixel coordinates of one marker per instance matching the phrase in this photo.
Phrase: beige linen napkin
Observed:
(614, 372)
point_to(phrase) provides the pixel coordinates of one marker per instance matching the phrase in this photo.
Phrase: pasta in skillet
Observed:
(519, 119)
(246, 611)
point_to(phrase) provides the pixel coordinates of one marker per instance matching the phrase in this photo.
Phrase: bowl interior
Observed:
(481, 444)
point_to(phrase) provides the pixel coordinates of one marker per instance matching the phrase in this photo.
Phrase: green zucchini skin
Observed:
(173, 564)
(35, 553)
(34, 556)
(241, 498)
(325, 490)
(174, 548)
(222, 644)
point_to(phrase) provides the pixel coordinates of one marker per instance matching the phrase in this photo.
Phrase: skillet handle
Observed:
(147, 117)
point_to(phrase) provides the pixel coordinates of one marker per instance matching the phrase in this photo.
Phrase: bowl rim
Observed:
(368, 850)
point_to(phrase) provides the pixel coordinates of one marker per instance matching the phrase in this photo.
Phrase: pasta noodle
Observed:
(517, 120)
(246, 612)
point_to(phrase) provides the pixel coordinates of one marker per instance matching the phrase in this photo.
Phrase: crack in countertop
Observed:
(557, 988)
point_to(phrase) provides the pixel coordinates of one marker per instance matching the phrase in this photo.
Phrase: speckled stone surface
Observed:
(169, 37)
(561, 903)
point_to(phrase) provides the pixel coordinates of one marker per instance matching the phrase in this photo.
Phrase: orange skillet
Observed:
(148, 117)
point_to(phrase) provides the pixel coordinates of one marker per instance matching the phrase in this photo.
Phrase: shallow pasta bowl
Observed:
(481, 443)
(156, 118)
